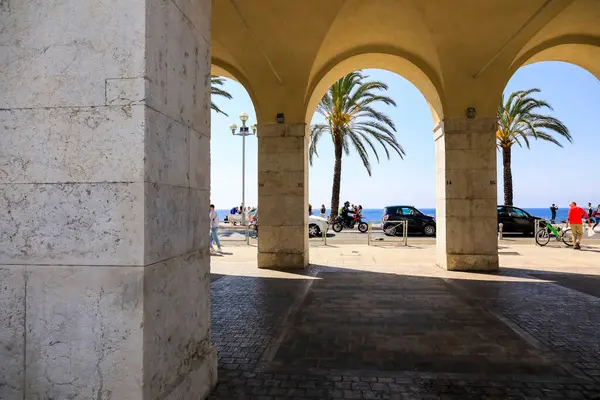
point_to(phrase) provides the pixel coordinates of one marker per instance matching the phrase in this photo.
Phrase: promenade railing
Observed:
(237, 233)
(393, 230)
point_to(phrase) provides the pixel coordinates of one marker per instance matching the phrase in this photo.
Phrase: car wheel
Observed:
(388, 229)
(429, 230)
(314, 230)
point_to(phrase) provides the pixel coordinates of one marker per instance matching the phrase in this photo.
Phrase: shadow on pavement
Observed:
(333, 332)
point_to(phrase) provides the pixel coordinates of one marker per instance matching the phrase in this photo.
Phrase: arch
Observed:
(224, 69)
(580, 50)
(405, 65)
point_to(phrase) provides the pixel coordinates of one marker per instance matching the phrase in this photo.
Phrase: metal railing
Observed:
(392, 230)
(247, 228)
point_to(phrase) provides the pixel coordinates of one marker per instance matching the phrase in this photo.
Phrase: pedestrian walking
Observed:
(575, 219)
(553, 210)
(323, 210)
(310, 209)
(214, 228)
(590, 210)
(596, 215)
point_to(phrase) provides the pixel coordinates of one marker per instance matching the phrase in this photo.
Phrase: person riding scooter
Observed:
(345, 213)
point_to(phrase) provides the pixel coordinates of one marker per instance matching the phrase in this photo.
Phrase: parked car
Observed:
(516, 220)
(418, 223)
(317, 225)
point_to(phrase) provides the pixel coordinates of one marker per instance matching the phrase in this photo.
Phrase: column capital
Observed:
(463, 125)
(283, 130)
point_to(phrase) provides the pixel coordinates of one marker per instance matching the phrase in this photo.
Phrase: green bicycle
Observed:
(543, 235)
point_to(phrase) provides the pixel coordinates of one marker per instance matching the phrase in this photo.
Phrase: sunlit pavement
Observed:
(383, 322)
(238, 236)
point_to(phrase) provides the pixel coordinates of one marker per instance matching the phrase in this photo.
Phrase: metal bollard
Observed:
(500, 228)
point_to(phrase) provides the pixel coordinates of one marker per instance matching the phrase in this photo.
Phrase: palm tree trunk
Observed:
(337, 178)
(508, 183)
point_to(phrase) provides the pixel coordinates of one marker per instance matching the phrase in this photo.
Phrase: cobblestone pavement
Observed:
(339, 333)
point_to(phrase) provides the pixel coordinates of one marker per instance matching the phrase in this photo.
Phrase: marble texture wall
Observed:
(104, 176)
(283, 196)
(466, 194)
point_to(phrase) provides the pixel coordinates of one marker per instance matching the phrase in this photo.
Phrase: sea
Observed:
(375, 214)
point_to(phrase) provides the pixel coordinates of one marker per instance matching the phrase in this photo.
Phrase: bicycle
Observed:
(542, 237)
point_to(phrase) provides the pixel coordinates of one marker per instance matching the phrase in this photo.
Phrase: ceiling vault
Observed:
(262, 50)
(510, 39)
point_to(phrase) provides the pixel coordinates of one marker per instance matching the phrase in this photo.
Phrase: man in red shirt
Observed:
(575, 218)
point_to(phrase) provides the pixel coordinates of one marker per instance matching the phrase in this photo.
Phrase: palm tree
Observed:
(215, 90)
(351, 121)
(518, 121)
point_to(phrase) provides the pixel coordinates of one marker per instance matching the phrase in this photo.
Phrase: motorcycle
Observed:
(339, 223)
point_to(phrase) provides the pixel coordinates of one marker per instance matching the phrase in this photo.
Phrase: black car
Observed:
(516, 220)
(418, 223)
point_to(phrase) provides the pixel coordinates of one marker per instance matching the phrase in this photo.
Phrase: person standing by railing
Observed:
(553, 210)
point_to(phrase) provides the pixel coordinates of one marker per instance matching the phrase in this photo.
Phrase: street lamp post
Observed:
(243, 132)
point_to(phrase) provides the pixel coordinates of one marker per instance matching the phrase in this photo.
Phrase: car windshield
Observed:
(515, 212)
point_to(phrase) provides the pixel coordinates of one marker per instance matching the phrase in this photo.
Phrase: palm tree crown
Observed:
(518, 122)
(215, 90)
(352, 122)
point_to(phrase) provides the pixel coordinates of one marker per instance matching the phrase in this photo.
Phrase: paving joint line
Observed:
(476, 302)
(271, 350)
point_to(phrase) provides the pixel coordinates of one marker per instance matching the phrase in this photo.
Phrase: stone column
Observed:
(466, 194)
(104, 186)
(282, 196)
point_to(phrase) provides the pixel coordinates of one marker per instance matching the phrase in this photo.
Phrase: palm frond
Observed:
(351, 108)
(316, 131)
(215, 90)
(519, 119)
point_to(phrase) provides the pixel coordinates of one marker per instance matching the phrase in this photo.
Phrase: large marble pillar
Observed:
(466, 194)
(282, 196)
(104, 186)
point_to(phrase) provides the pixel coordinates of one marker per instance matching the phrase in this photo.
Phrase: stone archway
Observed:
(465, 156)
(387, 61)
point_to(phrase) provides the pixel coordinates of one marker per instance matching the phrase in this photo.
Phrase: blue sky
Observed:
(543, 175)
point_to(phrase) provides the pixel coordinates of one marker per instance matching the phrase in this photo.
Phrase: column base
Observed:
(133, 333)
(283, 260)
(469, 262)
(198, 383)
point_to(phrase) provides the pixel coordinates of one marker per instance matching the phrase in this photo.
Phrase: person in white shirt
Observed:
(214, 228)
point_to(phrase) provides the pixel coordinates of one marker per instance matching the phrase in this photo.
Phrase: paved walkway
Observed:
(385, 323)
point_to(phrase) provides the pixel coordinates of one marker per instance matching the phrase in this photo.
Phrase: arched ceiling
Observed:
(573, 37)
(464, 50)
